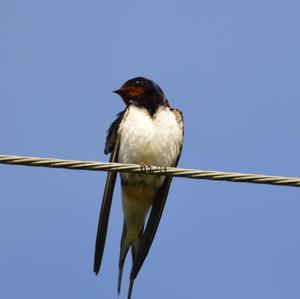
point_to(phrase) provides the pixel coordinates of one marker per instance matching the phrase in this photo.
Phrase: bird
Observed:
(147, 132)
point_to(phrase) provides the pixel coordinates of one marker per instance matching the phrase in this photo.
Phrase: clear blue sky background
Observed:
(231, 66)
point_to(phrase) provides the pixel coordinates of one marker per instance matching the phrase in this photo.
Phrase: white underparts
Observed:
(150, 140)
(146, 140)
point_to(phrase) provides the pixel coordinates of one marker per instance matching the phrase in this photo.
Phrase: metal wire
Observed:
(154, 170)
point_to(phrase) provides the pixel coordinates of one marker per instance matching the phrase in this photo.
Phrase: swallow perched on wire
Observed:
(147, 132)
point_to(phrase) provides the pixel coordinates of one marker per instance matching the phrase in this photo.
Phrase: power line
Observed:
(154, 170)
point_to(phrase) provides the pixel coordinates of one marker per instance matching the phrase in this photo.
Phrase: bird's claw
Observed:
(161, 169)
(144, 167)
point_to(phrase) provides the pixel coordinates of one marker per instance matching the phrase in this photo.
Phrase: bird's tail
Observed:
(124, 246)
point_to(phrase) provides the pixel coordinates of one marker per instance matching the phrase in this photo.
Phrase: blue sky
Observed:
(232, 67)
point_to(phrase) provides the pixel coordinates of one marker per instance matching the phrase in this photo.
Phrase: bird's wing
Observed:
(155, 215)
(112, 146)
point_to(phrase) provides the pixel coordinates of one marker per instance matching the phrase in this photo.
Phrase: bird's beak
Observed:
(119, 91)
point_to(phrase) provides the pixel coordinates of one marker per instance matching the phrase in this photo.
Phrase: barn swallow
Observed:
(146, 132)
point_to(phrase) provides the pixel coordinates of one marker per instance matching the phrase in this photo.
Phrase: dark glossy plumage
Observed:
(142, 93)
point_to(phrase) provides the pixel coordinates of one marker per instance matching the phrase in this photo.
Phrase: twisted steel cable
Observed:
(155, 170)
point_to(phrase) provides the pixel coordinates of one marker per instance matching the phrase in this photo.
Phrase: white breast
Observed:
(150, 140)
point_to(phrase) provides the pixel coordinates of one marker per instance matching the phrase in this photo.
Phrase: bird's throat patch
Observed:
(134, 91)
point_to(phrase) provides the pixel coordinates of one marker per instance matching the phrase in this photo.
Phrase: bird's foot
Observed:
(162, 168)
(144, 167)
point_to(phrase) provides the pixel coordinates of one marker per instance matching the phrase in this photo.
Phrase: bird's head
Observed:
(140, 89)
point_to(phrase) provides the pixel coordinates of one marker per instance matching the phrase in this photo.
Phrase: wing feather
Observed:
(112, 145)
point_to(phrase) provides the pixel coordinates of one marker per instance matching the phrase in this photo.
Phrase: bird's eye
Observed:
(137, 82)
